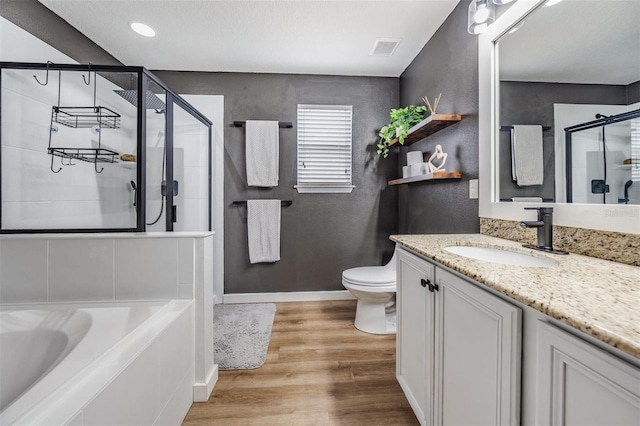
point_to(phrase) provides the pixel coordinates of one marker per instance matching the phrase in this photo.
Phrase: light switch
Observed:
(473, 189)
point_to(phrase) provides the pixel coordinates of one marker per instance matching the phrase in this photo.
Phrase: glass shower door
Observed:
(156, 158)
(191, 170)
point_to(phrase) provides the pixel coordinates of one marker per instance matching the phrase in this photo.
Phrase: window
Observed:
(324, 149)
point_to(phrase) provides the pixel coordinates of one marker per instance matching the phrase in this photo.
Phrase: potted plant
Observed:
(400, 121)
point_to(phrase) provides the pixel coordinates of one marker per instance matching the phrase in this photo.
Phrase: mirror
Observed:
(569, 65)
(605, 217)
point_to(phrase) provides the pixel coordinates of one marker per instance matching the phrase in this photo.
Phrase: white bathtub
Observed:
(130, 363)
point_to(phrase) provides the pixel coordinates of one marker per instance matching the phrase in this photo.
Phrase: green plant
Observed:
(400, 121)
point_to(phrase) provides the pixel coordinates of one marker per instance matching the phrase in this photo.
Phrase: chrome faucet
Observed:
(544, 225)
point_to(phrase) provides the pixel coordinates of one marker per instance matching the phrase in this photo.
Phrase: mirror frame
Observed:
(617, 218)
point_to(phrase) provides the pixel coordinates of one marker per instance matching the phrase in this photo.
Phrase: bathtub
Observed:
(103, 363)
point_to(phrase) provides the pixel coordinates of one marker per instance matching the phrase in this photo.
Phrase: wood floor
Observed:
(320, 370)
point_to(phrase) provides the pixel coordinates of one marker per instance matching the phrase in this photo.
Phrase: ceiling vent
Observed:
(385, 46)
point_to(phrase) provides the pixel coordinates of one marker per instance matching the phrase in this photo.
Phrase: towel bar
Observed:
(281, 124)
(284, 203)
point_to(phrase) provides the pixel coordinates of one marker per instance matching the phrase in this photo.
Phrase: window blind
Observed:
(324, 148)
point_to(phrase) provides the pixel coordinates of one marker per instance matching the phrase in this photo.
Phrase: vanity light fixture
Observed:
(481, 15)
(500, 2)
(142, 29)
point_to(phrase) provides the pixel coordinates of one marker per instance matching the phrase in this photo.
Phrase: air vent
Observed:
(385, 46)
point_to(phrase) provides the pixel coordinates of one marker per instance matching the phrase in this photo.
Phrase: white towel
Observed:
(526, 199)
(263, 225)
(527, 164)
(263, 152)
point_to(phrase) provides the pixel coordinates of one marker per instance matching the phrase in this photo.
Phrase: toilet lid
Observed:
(370, 275)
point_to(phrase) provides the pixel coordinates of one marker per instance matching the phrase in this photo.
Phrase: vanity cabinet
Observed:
(579, 384)
(458, 347)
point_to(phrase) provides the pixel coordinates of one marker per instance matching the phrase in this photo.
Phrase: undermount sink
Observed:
(506, 257)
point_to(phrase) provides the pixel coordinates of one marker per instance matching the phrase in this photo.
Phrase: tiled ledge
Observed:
(615, 246)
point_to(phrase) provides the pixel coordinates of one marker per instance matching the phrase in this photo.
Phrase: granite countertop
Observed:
(598, 297)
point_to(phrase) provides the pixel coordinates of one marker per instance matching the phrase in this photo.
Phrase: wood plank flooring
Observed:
(320, 370)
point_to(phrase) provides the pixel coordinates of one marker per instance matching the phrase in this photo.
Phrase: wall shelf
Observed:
(88, 155)
(86, 117)
(427, 127)
(437, 176)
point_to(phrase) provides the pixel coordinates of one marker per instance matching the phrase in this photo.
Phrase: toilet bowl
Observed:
(375, 288)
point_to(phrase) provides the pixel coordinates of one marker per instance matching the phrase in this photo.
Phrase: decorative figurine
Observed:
(437, 155)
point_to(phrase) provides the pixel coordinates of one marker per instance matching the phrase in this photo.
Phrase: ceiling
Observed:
(575, 41)
(259, 36)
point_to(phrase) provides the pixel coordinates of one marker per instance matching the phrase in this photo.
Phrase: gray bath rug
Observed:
(241, 334)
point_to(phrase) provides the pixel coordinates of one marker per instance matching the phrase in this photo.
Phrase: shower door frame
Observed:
(568, 132)
(142, 75)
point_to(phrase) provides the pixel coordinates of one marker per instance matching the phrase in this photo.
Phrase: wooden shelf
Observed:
(428, 177)
(430, 125)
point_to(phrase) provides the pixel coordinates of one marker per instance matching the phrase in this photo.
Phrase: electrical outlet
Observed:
(473, 189)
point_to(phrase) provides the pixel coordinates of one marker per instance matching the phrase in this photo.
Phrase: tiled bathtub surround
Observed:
(616, 246)
(97, 268)
(597, 297)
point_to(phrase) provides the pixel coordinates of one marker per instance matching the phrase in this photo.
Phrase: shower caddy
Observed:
(95, 117)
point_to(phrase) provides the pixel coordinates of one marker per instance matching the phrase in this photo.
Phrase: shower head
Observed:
(153, 102)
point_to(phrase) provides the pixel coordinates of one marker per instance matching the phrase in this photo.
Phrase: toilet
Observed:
(375, 288)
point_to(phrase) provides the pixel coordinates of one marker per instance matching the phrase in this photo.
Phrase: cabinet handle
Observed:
(424, 282)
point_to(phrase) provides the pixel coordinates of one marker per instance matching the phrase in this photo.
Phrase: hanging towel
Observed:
(526, 199)
(526, 155)
(263, 223)
(263, 152)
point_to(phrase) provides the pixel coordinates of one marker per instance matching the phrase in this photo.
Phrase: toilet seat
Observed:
(373, 279)
(388, 288)
(373, 276)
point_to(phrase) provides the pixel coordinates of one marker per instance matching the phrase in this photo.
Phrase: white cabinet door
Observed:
(579, 384)
(477, 355)
(414, 368)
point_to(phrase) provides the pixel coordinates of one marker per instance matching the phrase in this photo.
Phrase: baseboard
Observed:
(202, 391)
(293, 296)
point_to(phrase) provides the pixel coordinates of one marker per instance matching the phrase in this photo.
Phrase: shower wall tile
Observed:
(146, 269)
(23, 271)
(185, 291)
(185, 261)
(81, 270)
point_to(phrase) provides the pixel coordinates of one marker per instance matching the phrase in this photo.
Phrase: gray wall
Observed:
(36, 19)
(633, 93)
(448, 64)
(322, 234)
(532, 103)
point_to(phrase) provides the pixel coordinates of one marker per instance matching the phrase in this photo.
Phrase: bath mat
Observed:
(241, 334)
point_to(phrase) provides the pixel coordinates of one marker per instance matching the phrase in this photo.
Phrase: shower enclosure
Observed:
(100, 149)
(602, 163)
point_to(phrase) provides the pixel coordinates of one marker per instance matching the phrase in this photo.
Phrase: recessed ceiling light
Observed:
(142, 29)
